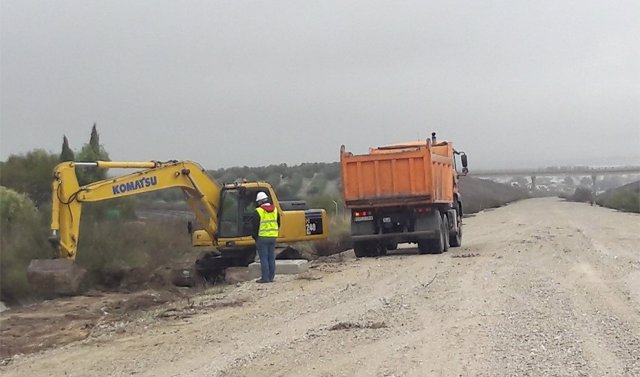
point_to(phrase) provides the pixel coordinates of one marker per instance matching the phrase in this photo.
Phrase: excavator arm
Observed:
(202, 192)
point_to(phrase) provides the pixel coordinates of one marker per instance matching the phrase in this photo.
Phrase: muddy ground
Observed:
(540, 287)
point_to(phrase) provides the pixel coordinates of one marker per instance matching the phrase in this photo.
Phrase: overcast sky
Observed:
(227, 83)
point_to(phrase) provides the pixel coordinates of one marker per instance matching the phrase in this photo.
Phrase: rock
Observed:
(184, 276)
(59, 276)
(283, 267)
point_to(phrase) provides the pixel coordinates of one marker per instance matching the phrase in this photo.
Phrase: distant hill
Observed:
(625, 198)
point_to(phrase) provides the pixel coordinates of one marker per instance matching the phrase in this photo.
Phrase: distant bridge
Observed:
(583, 170)
(594, 172)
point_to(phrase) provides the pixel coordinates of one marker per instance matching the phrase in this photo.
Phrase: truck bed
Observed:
(401, 174)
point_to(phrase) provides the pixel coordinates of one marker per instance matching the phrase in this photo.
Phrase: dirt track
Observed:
(540, 287)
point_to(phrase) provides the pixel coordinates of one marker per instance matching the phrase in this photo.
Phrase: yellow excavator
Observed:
(224, 213)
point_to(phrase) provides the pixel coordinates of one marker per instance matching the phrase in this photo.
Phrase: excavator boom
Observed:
(203, 195)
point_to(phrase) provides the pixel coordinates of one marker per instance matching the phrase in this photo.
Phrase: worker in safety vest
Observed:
(265, 224)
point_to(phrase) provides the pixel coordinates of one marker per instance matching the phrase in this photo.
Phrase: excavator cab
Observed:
(235, 214)
(237, 209)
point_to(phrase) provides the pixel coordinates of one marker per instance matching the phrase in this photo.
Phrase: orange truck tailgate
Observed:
(391, 176)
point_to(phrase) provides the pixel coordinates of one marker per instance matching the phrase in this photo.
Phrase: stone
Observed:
(58, 276)
(283, 267)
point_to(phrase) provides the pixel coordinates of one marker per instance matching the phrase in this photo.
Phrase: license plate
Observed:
(364, 218)
(386, 219)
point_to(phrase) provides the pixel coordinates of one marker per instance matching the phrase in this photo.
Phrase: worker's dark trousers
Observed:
(266, 247)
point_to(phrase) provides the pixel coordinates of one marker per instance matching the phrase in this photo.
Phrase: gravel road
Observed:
(541, 287)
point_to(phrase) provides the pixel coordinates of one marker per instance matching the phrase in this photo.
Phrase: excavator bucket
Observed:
(59, 277)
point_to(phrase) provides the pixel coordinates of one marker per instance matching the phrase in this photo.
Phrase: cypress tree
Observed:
(67, 153)
(94, 141)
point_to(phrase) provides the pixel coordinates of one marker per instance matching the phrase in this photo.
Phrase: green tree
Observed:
(66, 154)
(30, 173)
(582, 194)
(24, 237)
(94, 140)
(93, 151)
(331, 171)
(318, 184)
(309, 169)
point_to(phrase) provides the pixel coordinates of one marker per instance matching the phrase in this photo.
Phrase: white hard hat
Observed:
(261, 196)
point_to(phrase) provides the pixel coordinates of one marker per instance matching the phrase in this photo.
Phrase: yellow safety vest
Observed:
(268, 223)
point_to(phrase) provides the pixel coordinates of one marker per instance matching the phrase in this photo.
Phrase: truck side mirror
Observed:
(464, 160)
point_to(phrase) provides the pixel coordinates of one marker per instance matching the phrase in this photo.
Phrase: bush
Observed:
(111, 249)
(625, 201)
(23, 236)
(30, 173)
(625, 198)
(582, 194)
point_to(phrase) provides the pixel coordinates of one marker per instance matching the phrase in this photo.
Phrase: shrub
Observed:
(625, 201)
(23, 236)
(111, 249)
(30, 173)
(625, 198)
(582, 194)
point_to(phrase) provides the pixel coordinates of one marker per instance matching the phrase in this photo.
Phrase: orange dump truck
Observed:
(404, 193)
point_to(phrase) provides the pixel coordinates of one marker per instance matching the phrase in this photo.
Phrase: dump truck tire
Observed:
(445, 233)
(424, 246)
(361, 249)
(435, 246)
(455, 240)
(382, 249)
